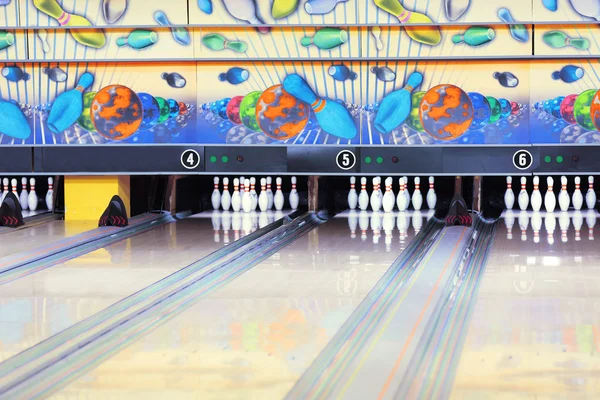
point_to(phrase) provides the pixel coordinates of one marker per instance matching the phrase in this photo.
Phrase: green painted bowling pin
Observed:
(326, 38)
(216, 42)
(138, 39)
(475, 36)
(558, 39)
(7, 39)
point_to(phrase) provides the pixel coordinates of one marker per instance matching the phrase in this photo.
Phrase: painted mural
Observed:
(298, 72)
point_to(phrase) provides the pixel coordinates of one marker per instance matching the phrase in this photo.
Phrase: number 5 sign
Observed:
(346, 160)
(522, 159)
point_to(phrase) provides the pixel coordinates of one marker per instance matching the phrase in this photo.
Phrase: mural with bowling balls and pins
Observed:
(365, 103)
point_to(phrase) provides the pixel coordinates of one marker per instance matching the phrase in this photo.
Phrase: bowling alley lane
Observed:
(535, 328)
(39, 305)
(254, 337)
(31, 237)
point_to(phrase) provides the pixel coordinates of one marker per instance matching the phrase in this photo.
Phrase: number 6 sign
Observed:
(522, 159)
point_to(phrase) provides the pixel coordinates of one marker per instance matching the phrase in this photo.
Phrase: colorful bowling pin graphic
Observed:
(67, 107)
(326, 38)
(55, 74)
(456, 8)
(13, 122)
(518, 31)
(14, 73)
(384, 74)
(376, 32)
(568, 74)
(7, 39)
(475, 36)
(235, 76)
(174, 79)
(396, 106)
(333, 117)
(180, 34)
(506, 79)
(283, 8)
(558, 39)
(205, 6)
(42, 34)
(245, 10)
(113, 10)
(587, 8)
(551, 5)
(424, 34)
(320, 7)
(138, 39)
(341, 73)
(4, 2)
(87, 37)
(216, 42)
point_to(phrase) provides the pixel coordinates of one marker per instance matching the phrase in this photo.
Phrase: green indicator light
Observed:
(559, 159)
(213, 159)
(379, 160)
(225, 159)
(368, 160)
(547, 159)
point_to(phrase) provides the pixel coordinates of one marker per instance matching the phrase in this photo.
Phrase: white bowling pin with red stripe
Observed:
(279, 200)
(363, 197)
(564, 201)
(577, 196)
(236, 198)
(509, 195)
(32, 198)
(590, 196)
(294, 198)
(24, 197)
(215, 198)
(50, 194)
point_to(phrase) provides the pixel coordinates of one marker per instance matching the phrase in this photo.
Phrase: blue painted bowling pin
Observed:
(341, 73)
(568, 74)
(551, 5)
(67, 107)
(205, 6)
(518, 31)
(180, 34)
(235, 76)
(396, 106)
(333, 117)
(320, 7)
(13, 122)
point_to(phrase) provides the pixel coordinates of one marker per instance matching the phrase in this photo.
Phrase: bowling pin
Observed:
(475, 36)
(558, 39)
(563, 196)
(294, 199)
(5, 192)
(13, 122)
(401, 198)
(13, 183)
(417, 198)
(242, 188)
(363, 197)
(397, 105)
(33, 198)
(518, 31)
(283, 8)
(376, 32)
(269, 193)
(509, 221)
(279, 199)
(236, 199)
(550, 225)
(247, 197)
(550, 198)
(577, 196)
(320, 7)
(113, 10)
(523, 195)
(138, 39)
(215, 198)
(456, 8)
(42, 34)
(568, 74)
(509, 196)
(225, 196)
(68, 106)
(427, 35)
(590, 219)
(536, 196)
(406, 192)
(333, 117)
(180, 34)
(50, 195)
(217, 42)
(352, 196)
(523, 223)
(577, 223)
(24, 197)
(245, 10)
(375, 196)
(431, 196)
(326, 38)
(87, 37)
(388, 197)
(564, 221)
(253, 193)
(263, 198)
(590, 196)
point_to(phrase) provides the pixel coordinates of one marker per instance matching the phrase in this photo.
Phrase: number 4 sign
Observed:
(190, 159)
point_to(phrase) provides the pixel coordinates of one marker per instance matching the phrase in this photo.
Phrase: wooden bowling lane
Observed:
(22, 240)
(535, 328)
(254, 337)
(37, 306)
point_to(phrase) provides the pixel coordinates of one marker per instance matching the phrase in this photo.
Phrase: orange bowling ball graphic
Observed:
(116, 112)
(446, 112)
(280, 115)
